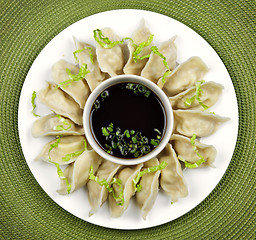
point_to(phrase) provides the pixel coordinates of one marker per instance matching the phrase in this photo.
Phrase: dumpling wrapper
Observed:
(46, 126)
(189, 122)
(126, 175)
(149, 182)
(155, 68)
(171, 179)
(140, 35)
(95, 76)
(78, 90)
(184, 150)
(61, 103)
(77, 173)
(111, 60)
(210, 94)
(184, 76)
(98, 194)
(67, 145)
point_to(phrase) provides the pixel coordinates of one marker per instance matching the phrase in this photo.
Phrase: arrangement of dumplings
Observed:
(70, 152)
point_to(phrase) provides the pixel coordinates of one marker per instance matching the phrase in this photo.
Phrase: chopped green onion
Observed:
(81, 50)
(139, 48)
(62, 177)
(134, 139)
(155, 50)
(147, 93)
(110, 127)
(126, 133)
(199, 91)
(159, 167)
(74, 154)
(61, 127)
(54, 145)
(74, 78)
(194, 165)
(105, 132)
(138, 89)
(103, 182)
(129, 142)
(154, 142)
(105, 42)
(59, 171)
(197, 163)
(33, 104)
(104, 94)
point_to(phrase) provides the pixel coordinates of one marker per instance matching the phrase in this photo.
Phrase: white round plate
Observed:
(200, 181)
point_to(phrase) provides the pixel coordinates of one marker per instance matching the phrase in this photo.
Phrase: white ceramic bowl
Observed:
(135, 79)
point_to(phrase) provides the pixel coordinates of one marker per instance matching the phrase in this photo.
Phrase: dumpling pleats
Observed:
(57, 154)
(98, 194)
(140, 35)
(111, 60)
(95, 76)
(209, 95)
(189, 122)
(77, 173)
(55, 125)
(149, 182)
(78, 90)
(61, 103)
(172, 180)
(126, 175)
(184, 76)
(155, 68)
(185, 151)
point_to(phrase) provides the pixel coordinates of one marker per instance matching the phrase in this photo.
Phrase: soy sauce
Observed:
(128, 106)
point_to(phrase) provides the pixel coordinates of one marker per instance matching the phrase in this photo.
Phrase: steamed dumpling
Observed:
(184, 76)
(155, 69)
(210, 94)
(67, 145)
(77, 173)
(61, 103)
(126, 175)
(149, 182)
(78, 90)
(140, 35)
(111, 60)
(189, 122)
(184, 150)
(95, 76)
(172, 180)
(98, 194)
(49, 124)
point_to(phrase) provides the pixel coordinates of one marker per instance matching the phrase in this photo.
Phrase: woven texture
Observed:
(26, 210)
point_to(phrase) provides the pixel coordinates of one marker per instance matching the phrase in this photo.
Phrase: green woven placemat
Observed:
(26, 210)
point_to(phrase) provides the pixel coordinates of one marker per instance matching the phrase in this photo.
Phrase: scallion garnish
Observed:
(33, 104)
(103, 182)
(59, 171)
(62, 177)
(139, 48)
(197, 163)
(54, 145)
(199, 91)
(128, 143)
(138, 89)
(74, 154)
(156, 51)
(61, 127)
(81, 50)
(137, 186)
(105, 42)
(100, 99)
(73, 77)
